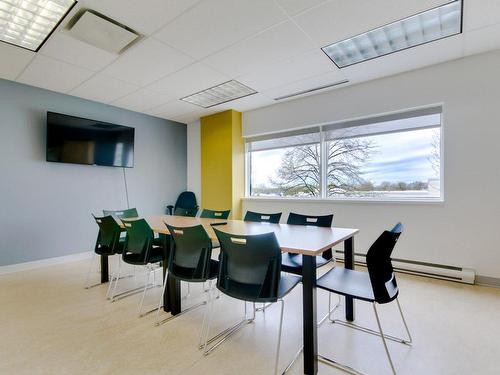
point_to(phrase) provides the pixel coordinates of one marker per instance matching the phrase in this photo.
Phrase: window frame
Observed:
(323, 149)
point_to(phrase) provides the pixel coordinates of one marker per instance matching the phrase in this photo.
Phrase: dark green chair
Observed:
(292, 263)
(122, 214)
(190, 260)
(259, 217)
(190, 212)
(108, 241)
(211, 214)
(250, 270)
(140, 249)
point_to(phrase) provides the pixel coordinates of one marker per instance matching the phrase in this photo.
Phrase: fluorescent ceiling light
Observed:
(225, 92)
(28, 23)
(425, 27)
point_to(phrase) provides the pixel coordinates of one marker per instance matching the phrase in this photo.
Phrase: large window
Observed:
(390, 157)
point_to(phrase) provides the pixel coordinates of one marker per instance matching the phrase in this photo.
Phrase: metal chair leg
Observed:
(330, 310)
(278, 347)
(87, 286)
(410, 340)
(160, 305)
(207, 301)
(224, 335)
(112, 296)
(144, 292)
(383, 338)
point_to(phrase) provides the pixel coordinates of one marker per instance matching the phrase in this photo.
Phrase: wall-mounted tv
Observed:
(83, 141)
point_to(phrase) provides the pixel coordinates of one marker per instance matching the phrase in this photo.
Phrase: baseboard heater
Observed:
(437, 271)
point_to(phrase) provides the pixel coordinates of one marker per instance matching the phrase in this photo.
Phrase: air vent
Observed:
(311, 90)
(104, 33)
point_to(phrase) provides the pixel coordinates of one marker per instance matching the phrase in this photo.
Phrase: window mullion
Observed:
(323, 164)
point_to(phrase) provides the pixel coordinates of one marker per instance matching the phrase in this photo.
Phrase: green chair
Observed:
(190, 212)
(260, 217)
(140, 249)
(211, 214)
(250, 271)
(190, 260)
(122, 214)
(108, 242)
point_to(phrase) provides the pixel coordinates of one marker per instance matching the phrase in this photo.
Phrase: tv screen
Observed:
(82, 141)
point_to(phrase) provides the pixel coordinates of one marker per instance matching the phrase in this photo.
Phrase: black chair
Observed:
(185, 205)
(108, 241)
(378, 286)
(140, 249)
(211, 214)
(250, 271)
(262, 218)
(292, 263)
(190, 260)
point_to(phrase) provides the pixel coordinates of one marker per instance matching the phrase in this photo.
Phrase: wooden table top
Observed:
(300, 239)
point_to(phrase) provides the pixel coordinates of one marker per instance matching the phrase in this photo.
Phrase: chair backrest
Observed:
(139, 237)
(191, 212)
(122, 214)
(318, 221)
(211, 214)
(378, 261)
(262, 218)
(186, 199)
(190, 256)
(109, 233)
(250, 266)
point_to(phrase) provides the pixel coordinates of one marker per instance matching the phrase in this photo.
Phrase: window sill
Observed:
(432, 201)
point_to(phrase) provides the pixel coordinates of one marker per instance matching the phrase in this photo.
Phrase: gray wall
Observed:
(46, 207)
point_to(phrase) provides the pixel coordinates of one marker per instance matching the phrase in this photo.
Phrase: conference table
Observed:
(310, 241)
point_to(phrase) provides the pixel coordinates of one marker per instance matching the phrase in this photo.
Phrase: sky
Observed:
(398, 157)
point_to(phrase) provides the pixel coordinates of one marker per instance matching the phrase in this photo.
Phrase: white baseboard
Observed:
(11, 268)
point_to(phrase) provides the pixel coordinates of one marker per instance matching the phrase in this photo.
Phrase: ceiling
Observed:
(271, 46)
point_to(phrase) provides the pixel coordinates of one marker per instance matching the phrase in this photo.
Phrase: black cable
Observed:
(126, 187)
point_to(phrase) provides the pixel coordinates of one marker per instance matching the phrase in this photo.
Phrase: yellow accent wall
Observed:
(222, 162)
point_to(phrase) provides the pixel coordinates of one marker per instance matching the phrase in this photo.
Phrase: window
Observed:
(390, 157)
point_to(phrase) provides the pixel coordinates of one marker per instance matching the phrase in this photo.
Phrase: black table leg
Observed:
(349, 263)
(309, 315)
(172, 295)
(104, 269)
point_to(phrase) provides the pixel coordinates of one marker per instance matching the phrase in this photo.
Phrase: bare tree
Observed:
(435, 157)
(300, 170)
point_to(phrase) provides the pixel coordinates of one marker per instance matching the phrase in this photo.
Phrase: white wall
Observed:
(46, 207)
(194, 159)
(465, 229)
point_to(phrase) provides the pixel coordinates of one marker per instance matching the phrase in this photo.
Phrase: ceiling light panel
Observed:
(219, 94)
(28, 23)
(425, 27)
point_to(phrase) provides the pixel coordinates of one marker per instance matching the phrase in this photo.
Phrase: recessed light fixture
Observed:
(28, 23)
(223, 93)
(425, 27)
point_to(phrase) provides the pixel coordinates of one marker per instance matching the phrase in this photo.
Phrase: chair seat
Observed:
(105, 250)
(292, 263)
(186, 274)
(244, 291)
(155, 256)
(347, 283)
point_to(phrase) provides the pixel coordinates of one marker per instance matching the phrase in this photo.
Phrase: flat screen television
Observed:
(82, 141)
